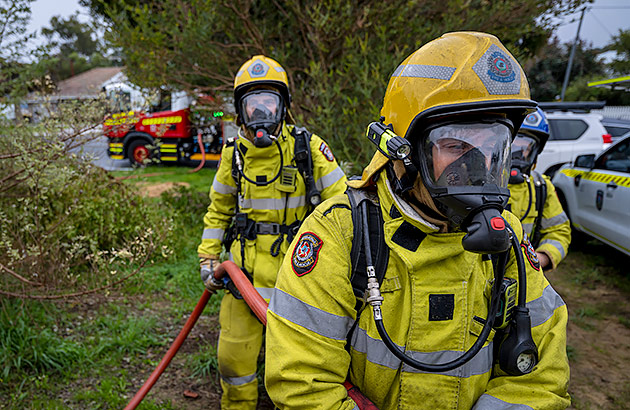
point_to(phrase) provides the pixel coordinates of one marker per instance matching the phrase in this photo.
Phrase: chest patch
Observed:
(323, 148)
(530, 252)
(305, 253)
(441, 307)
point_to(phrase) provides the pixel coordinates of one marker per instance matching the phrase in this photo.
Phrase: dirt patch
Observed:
(598, 333)
(153, 190)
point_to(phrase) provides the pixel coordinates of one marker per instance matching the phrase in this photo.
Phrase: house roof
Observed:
(86, 84)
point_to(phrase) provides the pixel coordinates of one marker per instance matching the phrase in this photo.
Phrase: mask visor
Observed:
(468, 154)
(524, 150)
(262, 109)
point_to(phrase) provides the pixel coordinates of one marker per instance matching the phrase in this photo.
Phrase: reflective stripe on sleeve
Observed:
(543, 308)
(487, 402)
(329, 179)
(266, 293)
(376, 352)
(556, 220)
(238, 381)
(555, 244)
(222, 188)
(273, 204)
(527, 228)
(213, 233)
(309, 317)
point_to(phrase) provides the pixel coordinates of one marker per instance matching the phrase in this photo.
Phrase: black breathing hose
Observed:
(520, 264)
(499, 272)
(240, 168)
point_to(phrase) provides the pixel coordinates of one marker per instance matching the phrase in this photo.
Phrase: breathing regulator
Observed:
(487, 233)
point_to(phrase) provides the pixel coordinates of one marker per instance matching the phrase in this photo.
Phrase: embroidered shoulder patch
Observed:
(305, 253)
(323, 148)
(530, 252)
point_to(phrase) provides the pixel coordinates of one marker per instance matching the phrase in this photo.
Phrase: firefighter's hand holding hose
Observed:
(207, 268)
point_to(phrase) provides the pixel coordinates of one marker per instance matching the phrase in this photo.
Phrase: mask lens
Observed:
(523, 148)
(470, 154)
(261, 107)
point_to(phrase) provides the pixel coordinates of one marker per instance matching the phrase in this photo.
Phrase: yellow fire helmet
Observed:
(458, 73)
(261, 70)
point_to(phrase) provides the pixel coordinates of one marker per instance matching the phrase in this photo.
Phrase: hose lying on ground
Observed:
(257, 304)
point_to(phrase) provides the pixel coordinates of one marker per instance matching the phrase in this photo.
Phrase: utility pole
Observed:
(567, 74)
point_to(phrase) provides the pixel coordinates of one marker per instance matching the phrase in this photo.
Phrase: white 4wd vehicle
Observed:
(595, 193)
(571, 134)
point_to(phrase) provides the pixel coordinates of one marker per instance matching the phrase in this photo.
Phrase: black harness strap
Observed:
(541, 197)
(380, 250)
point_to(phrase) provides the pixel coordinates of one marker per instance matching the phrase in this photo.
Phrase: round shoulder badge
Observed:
(530, 252)
(305, 253)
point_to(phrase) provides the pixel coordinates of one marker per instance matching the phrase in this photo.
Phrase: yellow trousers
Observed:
(240, 341)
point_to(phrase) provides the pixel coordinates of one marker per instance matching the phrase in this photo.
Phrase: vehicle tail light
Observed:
(607, 138)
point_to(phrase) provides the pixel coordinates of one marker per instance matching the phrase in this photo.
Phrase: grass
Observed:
(84, 355)
(198, 181)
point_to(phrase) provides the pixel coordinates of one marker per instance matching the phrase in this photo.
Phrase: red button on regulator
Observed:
(498, 224)
(259, 134)
(513, 172)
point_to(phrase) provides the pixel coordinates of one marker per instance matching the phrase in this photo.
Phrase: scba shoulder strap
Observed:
(304, 161)
(378, 247)
(540, 187)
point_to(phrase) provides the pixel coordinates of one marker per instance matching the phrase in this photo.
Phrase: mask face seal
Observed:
(465, 167)
(262, 111)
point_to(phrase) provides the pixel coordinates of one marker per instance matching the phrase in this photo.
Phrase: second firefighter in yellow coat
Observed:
(268, 181)
(533, 198)
(426, 340)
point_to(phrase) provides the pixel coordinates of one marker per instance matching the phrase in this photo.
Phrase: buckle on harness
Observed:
(264, 228)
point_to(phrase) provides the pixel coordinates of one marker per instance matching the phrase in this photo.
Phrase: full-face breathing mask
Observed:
(261, 112)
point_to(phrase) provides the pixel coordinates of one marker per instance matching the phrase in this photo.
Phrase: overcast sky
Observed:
(603, 20)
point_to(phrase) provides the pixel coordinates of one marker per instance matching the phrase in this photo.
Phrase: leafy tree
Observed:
(338, 54)
(546, 70)
(621, 44)
(79, 47)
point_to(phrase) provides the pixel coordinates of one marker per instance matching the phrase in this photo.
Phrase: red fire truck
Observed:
(166, 136)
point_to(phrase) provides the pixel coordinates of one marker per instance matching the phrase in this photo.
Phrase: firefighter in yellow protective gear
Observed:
(533, 198)
(427, 339)
(268, 181)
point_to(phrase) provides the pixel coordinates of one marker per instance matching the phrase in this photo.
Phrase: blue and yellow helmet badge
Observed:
(498, 71)
(536, 122)
(258, 69)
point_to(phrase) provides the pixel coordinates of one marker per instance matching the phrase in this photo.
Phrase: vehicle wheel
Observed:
(139, 153)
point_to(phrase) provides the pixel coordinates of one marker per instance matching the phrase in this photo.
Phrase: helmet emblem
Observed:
(258, 69)
(500, 68)
(532, 119)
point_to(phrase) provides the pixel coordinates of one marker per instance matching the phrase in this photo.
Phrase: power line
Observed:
(601, 24)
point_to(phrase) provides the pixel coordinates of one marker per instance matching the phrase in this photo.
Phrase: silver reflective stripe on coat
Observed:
(329, 179)
(222, 188)
(213, 233)
(555, 244)
(481, 363)
(527, 228)
(266, 293)
(556, 220)
(377, 353)
(435, 72)
(273, 204)
(238, 381)
(543, 308)
(374, 349)
(309, 317)
(487, 402)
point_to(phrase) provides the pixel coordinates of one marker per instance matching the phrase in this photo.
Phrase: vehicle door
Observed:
(603, 196)
(564, 135)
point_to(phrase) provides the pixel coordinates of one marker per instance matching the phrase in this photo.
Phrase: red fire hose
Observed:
(257, 304)
(203, 153)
